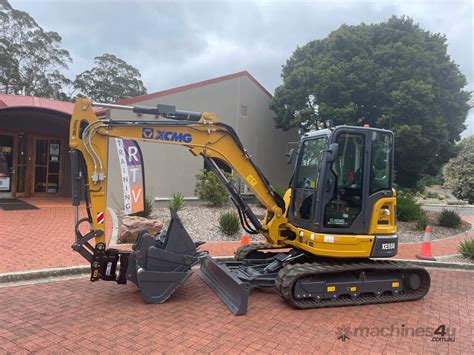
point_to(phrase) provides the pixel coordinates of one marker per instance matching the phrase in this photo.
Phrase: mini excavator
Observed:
(326, 238)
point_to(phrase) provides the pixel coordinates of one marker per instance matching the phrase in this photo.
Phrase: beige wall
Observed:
(172, 168)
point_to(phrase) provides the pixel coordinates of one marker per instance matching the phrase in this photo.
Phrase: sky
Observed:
(179, 42)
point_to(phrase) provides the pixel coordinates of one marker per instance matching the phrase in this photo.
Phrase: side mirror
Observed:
(290, 155)
(331, 152)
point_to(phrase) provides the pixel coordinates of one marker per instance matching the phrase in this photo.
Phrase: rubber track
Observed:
(290, 273)
(242, 252)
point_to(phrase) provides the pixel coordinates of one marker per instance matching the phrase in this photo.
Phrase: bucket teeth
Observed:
(158, 265)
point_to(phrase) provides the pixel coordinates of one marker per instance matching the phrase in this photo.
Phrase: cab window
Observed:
(381, 162)
(307, 177)
(348, 167)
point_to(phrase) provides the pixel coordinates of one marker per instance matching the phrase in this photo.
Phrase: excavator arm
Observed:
(159, 264)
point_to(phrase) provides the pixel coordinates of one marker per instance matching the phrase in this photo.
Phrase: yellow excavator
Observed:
(325, 237)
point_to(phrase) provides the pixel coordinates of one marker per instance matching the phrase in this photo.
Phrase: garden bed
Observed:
(457, 258)
(202, 223)
(408, 233)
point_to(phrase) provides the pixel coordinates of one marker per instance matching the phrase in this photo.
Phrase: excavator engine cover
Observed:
(159, 264)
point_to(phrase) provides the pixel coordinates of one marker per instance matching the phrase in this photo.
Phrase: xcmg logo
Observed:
(168, 136)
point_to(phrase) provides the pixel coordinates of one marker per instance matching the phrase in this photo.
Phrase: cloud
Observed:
(179, 42)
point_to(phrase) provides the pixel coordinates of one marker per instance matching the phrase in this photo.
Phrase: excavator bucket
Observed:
(158, 265)
(227, 286)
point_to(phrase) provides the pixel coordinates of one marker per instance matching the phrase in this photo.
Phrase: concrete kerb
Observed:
(46, 275)
(435, 264)
(32, 275)
(447, 205)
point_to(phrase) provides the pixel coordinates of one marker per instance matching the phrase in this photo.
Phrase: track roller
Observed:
(330, 284)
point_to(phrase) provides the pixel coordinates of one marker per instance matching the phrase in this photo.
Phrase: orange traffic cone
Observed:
(425, 253)
(245, 239)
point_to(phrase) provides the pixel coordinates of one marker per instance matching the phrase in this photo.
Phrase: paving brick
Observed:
(39, 239)
(80, 316)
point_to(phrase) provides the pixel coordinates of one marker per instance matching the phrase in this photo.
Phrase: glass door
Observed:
(47, 166)
(6, 165)
(21, 166)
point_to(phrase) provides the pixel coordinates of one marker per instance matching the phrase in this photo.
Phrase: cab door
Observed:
(360, 174)
(306, 182)
(343, 203)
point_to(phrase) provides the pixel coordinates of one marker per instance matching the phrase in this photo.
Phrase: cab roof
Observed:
(329, 131)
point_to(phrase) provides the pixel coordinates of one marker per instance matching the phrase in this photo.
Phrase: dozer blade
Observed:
(228, 287)
(158, 265)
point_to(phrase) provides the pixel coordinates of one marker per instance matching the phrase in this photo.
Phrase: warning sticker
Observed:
(100, 218)
(251, 180)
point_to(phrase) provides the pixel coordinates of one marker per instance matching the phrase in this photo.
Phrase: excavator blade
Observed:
(227, 286)
(158, 265)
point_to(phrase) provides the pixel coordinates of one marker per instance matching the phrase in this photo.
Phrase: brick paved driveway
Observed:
(39, 239)
(80, 316)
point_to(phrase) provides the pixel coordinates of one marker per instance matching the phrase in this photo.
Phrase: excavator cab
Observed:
(339, 176)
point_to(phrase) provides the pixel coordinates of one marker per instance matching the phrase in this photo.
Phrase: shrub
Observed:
(148, 205)
(210, 189)
(229, 223)
(407, 207)
(459, 171)
(177, 202)
(431, 194)
(466, 248)
(449, 218)
(428, 180)
(421, 220)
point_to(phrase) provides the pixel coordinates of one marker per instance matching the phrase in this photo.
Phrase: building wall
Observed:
(172, 168)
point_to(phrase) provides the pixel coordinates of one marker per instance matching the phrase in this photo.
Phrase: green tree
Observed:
(111, 79)
(31, 59)
(459, 171)
(391, 75)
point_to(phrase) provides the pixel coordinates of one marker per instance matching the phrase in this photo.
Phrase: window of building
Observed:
(244, 111)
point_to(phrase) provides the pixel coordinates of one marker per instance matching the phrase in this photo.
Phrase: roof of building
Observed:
(175, 90)
(33, 102)
(17, 101)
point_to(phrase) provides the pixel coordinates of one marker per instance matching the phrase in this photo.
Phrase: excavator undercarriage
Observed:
(304, 281)
(158, 265)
